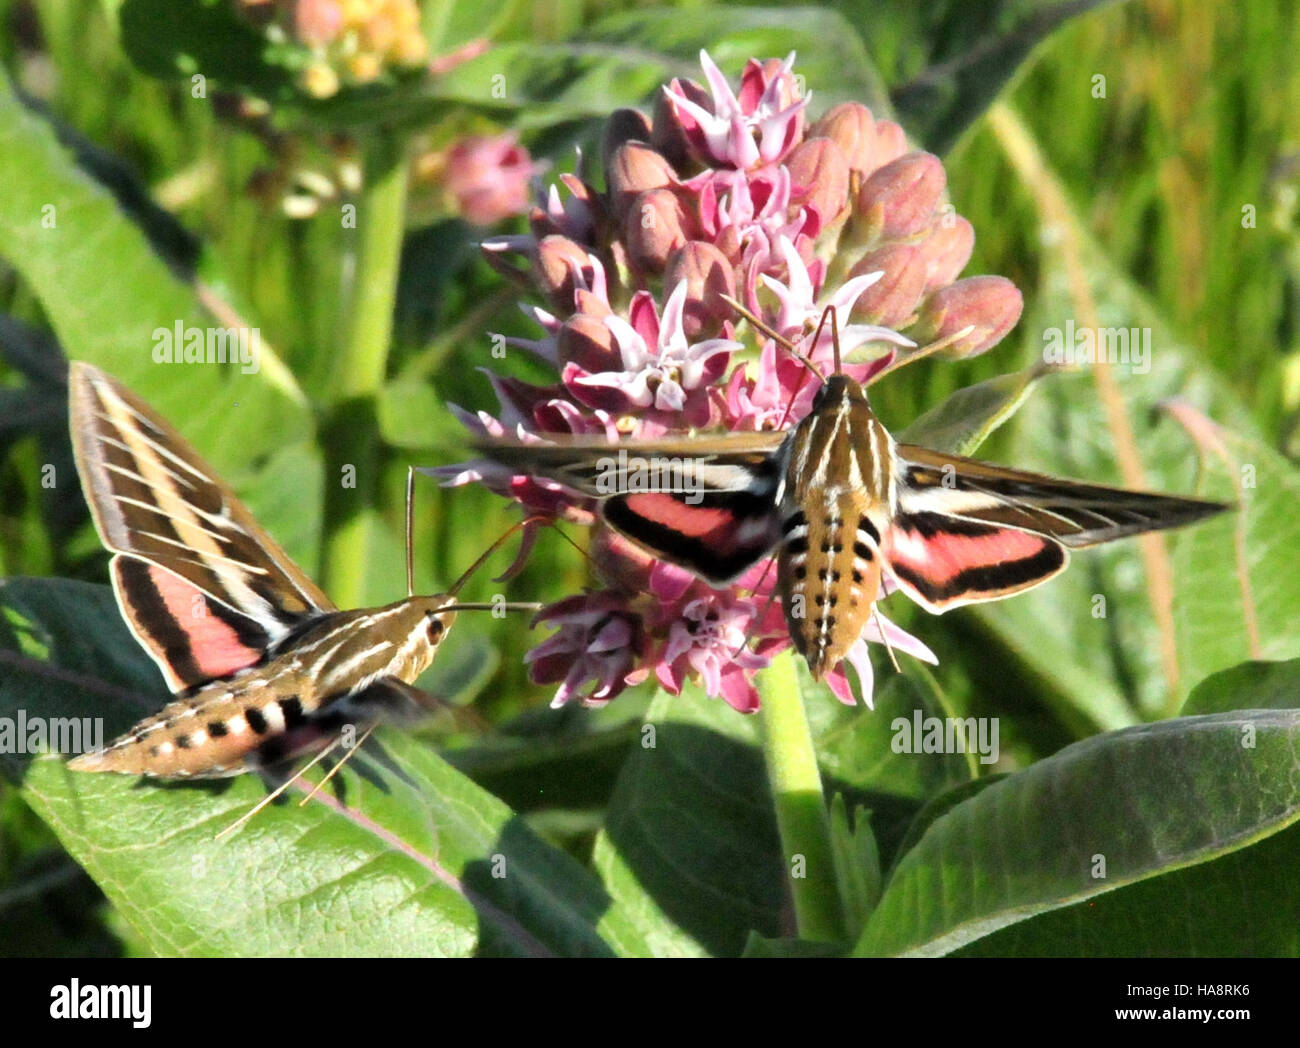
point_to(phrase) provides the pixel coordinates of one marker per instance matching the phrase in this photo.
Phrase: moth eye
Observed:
(435, 628)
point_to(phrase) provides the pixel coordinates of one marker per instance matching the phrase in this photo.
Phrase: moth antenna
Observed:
(465, 576)
(835, 335)
(335, 770)
(278, 790)
(410, 525)
(920, 354)
(880, 626)
(761, 326)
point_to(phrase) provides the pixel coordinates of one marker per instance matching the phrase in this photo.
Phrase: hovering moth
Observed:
(263, 666)
(843, 506)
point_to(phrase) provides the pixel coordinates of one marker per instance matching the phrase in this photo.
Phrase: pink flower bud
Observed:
(708, 274)
(890, 301)
(634, 167)
(487, 176)
(990, 306)
(891, 143)
(623, 125)
(946, 250)
(317, 22)
(851, 127)
(899, 199)
(820, 175)
(593, 305)
(584, 340)
(557, 258)
(667, 135)
(655, 227)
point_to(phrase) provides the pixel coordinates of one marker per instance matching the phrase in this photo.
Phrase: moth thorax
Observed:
(828, 574)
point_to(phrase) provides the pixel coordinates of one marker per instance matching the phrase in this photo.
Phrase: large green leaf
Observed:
(1110, 811)
(1248, 686)
(411, 859)
(1238, 905)
(690, 841)
(952, 58)
(1241, 572)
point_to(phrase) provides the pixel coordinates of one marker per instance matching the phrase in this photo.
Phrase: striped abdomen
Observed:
(828, 573)
(337, 672)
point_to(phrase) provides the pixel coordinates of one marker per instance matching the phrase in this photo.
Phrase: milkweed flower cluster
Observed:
(733, 193)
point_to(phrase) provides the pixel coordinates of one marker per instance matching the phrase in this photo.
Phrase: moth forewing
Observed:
(263, 665)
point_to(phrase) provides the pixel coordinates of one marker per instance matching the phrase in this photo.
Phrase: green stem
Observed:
(351, 436)
(381, 214)
(801, 814)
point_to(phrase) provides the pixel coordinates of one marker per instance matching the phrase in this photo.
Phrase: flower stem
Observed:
(380, 217)
(801, 814)
(351, 437)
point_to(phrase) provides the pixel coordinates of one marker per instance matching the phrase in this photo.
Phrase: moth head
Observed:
(839, 388)
(439, 614)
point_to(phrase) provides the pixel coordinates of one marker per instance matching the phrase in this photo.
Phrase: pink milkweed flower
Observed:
(727, 134)
(798, 312)
(708, 631)
(599, 642)
(670, 378)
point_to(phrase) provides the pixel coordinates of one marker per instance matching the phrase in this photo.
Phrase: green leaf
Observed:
(413, 860)
(857, 863)
(961, 55)
(1234, 906)
(545, 772)
(1226, 907)
(690, 841)
(760, 948)
(1145, 801)
(1240, 572)
(856, 754)
(173, 39)
(622, 61)
(961, 423)
(1249, 686)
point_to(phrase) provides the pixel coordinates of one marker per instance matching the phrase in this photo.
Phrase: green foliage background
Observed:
(1132, 202)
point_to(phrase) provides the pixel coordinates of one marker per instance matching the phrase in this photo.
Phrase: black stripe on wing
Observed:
(716, 535)
(1074, 513)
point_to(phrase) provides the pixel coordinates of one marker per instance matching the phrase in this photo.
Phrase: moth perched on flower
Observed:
(734, 207)
(263, 667)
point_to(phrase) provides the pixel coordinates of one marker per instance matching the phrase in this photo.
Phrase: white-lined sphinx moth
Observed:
(844, 507)
(264, 667)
